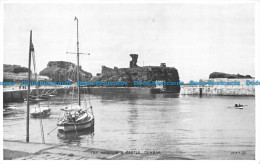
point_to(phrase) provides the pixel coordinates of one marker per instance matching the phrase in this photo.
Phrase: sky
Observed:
(195, 38)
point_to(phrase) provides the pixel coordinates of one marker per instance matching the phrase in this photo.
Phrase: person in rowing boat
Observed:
(238, 105)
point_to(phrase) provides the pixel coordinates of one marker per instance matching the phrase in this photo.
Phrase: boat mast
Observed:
(28, 90)
(78, 59)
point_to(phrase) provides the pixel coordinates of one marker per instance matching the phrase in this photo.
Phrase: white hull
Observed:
(9, 110)
(41, 112)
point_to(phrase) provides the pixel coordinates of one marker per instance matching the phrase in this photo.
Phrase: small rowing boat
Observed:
(40, 112)
(9, 110)
(239, 106)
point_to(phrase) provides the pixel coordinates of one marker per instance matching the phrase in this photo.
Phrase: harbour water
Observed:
(189, 126)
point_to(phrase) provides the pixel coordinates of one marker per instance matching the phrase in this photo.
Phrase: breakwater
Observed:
(187, 90)
(17, 95)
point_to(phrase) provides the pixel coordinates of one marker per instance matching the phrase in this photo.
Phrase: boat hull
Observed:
(44, 113)
(8, 113)
(74, 135)
(31, 101)
(9, 110)
(40, 115)
(75, 127)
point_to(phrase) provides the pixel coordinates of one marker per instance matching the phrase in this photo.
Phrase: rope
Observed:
(52, 130)
(63, 102)
(75, 128)
(85, 79)
(42, 131)
(64, 96)
(72, 29)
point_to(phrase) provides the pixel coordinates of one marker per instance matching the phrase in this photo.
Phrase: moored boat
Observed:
(53, 93)
(42, 98)
(32, 99)
(40, 112)
(9, 110)
(79, 117)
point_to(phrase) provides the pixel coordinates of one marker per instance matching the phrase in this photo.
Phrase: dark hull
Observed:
(40, 115)
(74, 135)
(76, 127)
(8, 113)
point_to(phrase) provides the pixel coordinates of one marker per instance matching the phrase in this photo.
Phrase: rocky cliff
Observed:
(229, 76)
(140, 74)
(63, 71)
(18, 73)
(14, 68)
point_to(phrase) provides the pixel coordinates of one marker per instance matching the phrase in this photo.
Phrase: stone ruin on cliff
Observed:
(133, 62)
(140, 74)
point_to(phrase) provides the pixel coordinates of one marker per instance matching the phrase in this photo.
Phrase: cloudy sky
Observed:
(197, 38)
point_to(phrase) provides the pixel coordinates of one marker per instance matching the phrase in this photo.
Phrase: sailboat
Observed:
(79, 117)
(38, 111)
(32, 99)
(43, 96)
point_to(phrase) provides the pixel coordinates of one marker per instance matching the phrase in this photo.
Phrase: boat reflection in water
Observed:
(75, 136)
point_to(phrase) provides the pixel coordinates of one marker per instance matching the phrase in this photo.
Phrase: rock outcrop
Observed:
(18, 73)
(63, 71)
(140, 74)
(229, 76)
(14, 68)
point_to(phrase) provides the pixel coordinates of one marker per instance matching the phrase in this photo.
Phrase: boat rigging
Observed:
(79, 117)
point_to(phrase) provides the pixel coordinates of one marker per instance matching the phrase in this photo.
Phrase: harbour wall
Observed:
(217, 91)
(221, 90)
(127, 90)
(18, 95)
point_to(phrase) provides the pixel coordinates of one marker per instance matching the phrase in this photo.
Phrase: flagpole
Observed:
(28, 90)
